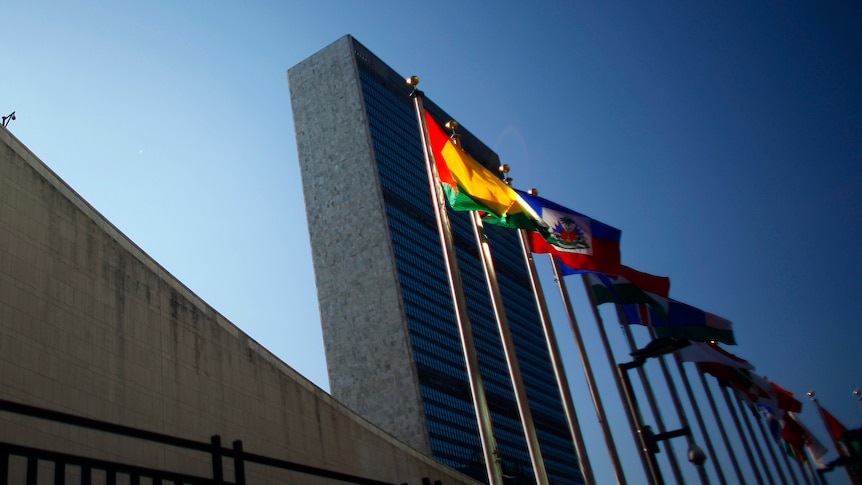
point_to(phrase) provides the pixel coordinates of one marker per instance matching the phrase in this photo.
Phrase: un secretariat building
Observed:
(392, 344)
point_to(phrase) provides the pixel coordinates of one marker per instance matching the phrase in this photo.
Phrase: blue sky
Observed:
(724, 139)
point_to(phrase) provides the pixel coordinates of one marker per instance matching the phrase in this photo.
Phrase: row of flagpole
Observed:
(642, 434)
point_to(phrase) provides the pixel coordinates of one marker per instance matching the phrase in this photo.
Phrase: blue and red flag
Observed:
(580, 242)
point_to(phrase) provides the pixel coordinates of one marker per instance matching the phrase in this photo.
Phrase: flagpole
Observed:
(588, 374)
(735, 417)
(630, 412)
(818, 479)
(651, 401)
(758, 418)
(723, 432)
(747, 422)
(677, 402)
(838, 448)
(698, 416)
(557, 363)
(509, 351)
(787, 465)
(465, 329)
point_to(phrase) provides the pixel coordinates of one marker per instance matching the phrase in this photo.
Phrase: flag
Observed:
(836, 429)
(796, 435)
(579, 242)
(706, 352)
(628, 286)
(774, 420)
(734, 377)
(784, 398)
(672, 318)
(471, 187)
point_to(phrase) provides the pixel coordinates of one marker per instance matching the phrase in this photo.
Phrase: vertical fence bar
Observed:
(60, 473)
(218, 471)
(238, 463)
(4, 466)
(32, 470)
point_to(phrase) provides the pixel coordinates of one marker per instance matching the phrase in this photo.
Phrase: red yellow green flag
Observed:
(471, 187)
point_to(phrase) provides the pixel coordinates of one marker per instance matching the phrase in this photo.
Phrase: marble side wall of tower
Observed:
(364, 327)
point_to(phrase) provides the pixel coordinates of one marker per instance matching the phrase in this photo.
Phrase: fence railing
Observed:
(104, 471)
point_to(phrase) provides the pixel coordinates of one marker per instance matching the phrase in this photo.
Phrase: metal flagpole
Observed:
(698, 417)
(838, 448)
(509, 351)
(557, 363)
(735, 417)
(465, 329)
(651, 401)
(769, 442)
(747, 422)
(637, 432)
(588, 374)
(789, 468)
(804, 471)
(711, 400)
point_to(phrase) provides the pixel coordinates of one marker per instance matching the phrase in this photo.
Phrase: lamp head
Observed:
(696, 455)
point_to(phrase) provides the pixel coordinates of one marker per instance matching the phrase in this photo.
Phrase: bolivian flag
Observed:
(471, 187)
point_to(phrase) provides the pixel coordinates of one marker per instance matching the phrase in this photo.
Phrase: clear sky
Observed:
(723, 138)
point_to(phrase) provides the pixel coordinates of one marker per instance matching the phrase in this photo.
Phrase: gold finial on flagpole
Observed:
(533, 191)
(810, 394)
(504, 169)
(412, 80)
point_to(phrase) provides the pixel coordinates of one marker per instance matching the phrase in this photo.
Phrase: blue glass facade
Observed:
(427, 303)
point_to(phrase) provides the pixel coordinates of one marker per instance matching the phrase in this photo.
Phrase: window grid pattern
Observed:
(437, 351)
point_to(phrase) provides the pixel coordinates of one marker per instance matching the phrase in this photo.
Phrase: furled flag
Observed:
(672, 318)
(707, 352)
(578, 241)
(836, 429)
(471, 187)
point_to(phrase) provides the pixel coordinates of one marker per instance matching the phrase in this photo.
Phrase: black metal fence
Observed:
(38, 463)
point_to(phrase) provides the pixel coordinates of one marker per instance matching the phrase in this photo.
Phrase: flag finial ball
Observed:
(504, 168)
(810, 393)
(413, 80)
(856, 392)
(533, 191)
(451, 125)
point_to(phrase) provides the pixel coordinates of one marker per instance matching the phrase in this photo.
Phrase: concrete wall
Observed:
(91, 325)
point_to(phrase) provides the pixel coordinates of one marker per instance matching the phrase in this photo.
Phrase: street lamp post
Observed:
(648, 440)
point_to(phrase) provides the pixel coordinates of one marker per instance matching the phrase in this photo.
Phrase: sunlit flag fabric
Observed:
(578, 241)
(471, 187)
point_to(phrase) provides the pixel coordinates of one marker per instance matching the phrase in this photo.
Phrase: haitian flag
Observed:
(576, 240)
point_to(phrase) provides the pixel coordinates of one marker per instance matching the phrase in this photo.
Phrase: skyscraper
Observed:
(392, 345)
